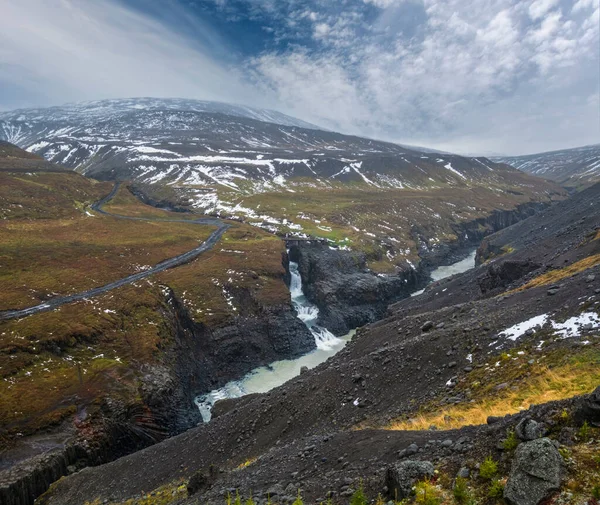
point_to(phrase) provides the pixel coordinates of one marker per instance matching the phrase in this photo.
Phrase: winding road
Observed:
(176, 261)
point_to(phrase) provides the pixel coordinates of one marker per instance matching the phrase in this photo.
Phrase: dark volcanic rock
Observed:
(346, 293)
(588, 409)
(528, 429)
(500, 275)
(402, 477)
(535, 473)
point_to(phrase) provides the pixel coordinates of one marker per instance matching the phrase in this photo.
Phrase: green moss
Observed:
(496, 490)
(511, 441)
(359, 497)
(488, 469)
(426, 493)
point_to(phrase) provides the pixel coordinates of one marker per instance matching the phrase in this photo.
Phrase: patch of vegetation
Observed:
(488, 469)
(585, 432)
(125, 203)
(511, 442)
(560, 375)
(559, 274)
(427, 493)
(359, 497)
(496, 490)
(461, 492)
(164, 495)
(298, 500)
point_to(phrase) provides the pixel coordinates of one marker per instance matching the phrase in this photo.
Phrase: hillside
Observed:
(386, 200)
(102, 372)
(572, 168)
(520, 331)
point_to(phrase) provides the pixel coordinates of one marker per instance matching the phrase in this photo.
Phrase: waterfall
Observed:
(264, 379)
(309, 313)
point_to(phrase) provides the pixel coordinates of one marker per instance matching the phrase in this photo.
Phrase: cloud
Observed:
(505, 76)
(491, 75)
(74, 50)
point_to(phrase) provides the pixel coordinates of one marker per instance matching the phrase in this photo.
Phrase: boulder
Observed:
(427, 326)
(202, 480)
(528, 429)
(535, 473)
(402, 476)
(588, 409)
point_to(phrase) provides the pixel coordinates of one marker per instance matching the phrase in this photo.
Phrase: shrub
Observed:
(298, 500)
(511, 442)
(488, 469)
(427, 494)
(250, 501)
(496, 490)
(596, 492)
(461, 491)
(584, 432)
(359, 498)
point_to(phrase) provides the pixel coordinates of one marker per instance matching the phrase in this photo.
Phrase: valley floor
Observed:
(517, 338)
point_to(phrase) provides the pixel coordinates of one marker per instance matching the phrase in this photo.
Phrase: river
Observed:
(265, 378)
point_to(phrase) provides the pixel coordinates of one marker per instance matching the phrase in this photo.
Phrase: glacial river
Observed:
(265, 378)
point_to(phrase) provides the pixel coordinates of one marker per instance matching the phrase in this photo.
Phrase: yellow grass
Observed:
(561, 273)
(550, 385)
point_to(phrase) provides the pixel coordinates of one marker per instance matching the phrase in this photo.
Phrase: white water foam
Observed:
(265, 378)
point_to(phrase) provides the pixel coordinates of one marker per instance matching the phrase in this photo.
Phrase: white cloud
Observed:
(477, 67)
(540, 7)
(487, 75)
(72, 50)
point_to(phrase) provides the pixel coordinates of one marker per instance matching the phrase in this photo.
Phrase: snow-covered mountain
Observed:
(578, 167)
(188, 142)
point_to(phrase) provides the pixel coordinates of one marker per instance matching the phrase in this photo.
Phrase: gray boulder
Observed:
(588, 409)
(535, 473)
(401, 477)
(528, 429)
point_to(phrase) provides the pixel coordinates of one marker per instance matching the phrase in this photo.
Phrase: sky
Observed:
(478, 77)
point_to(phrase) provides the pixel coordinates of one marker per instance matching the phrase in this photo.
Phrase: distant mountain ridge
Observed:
(576, 168)
(191, 142)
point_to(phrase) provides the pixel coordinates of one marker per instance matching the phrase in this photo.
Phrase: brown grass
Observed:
(113, 335)
(579, 376)
(555, 276)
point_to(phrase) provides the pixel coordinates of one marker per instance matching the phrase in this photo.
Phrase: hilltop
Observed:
(575, 168)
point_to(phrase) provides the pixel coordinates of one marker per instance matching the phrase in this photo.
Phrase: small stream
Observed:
(265, 378)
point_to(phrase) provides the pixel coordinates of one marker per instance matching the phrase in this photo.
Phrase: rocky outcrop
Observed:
(402, 477)
(470, 234)
(500, 275)
(210, 357)
(535, 473)
(529, 429)
(588, 409)
(347, 294)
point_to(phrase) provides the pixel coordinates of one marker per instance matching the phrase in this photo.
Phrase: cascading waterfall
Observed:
(264, 379)
(309, 313)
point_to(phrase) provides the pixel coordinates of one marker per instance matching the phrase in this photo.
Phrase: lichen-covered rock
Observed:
(401, 477)
(528, 429)
(535, 473)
